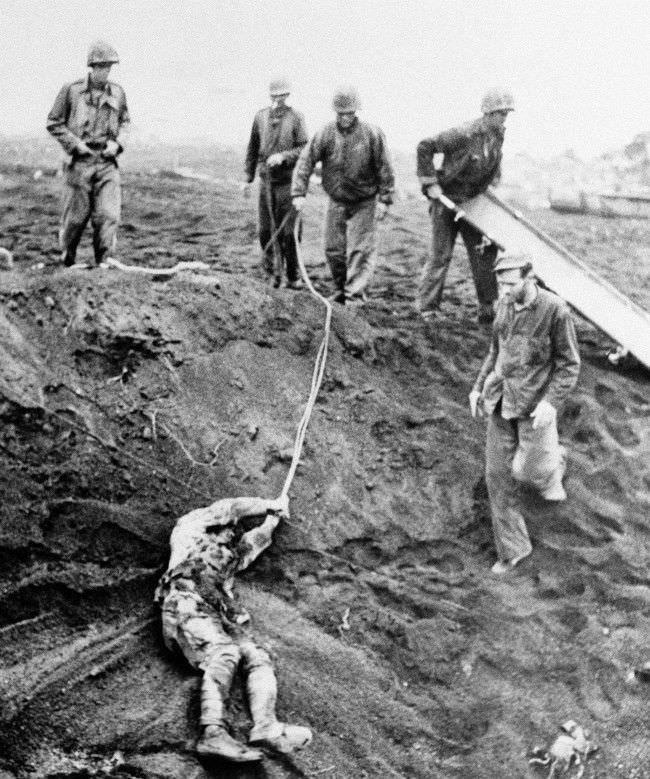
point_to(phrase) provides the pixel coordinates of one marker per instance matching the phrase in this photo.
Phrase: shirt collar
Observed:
(88, 87)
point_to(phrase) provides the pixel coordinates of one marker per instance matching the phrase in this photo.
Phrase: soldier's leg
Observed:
(481, 260)
(362, 248)
(540, 460)
(335, 245)
(261, 687)
(76, 208)
(432, 280)
(208, 648)
(264, 229)
(510, 534)
(106, 209)
(287, 241)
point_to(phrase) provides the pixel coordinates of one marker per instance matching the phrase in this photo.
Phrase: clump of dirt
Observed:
(126, 402)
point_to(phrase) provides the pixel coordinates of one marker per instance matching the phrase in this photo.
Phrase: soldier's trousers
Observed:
(515, 452)
(91, 190)
(189, 626)
(350, 245)
(280, 205)
(445, 230)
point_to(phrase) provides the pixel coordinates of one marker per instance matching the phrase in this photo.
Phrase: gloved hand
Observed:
(82, 150)
(543, 414)
(275, 159)
(475, 404)
(111, 150)
(298, 203)
(382, 210)
(432, 191)
(246, 190)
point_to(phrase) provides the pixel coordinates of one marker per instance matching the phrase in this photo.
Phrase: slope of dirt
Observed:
(393, 641)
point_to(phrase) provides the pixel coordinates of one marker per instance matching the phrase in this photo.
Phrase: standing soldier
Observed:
(277, 138)
(90, 120)
(358, 177)
(532, 365)
(472, 161)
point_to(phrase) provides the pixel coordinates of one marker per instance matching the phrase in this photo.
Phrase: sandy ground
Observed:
(392, 640)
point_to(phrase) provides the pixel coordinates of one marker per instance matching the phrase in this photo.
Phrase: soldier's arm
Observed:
(488, 363)
(307, 160)
(300, 139)
(255, 541)
(385, 170)
(124, 122)
(252, 152)
(566, 358)
(443, 143)
(56, 122)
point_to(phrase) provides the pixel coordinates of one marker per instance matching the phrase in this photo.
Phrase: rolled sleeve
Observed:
(307, 160)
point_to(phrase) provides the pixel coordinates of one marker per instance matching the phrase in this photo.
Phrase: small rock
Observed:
(146, 433)
(49, 302)
(39, 320)
(38, 174)
(252, 431)
(13, 305)
(6, 259)
(606, 631)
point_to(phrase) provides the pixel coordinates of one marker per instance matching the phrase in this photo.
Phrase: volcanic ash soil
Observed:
(392, 640)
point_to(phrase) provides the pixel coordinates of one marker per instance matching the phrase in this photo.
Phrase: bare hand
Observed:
(543, 414)
(275, 159)
(382, 210)
(434, 192)
(298, 203)
(281, 505)
(475, 404)
(111, 149)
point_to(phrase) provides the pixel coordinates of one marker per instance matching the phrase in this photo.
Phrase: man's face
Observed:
(99, 73)
(345, 119)
(279, 101)
(511, 284)
(497, 119)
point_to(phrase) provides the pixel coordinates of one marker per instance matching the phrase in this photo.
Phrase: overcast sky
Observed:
(578, 70)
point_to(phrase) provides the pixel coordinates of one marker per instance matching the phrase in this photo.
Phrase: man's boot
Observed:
(281, 737)
(215, 741)
(261, 686)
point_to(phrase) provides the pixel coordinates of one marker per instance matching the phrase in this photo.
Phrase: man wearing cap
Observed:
(277, 138)
(358, 177)
(90, 120)
(471, 161)
(531, 367)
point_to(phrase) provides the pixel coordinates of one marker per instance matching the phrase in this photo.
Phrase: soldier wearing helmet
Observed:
(90, 120)
(277, 138)
(471, 161)
(358, 177)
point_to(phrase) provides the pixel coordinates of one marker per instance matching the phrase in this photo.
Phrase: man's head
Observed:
(346, 103)
(101, 57)
(279, 91)
(495, 106)
(515, 277)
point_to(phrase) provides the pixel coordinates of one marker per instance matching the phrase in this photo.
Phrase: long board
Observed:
(569, 277)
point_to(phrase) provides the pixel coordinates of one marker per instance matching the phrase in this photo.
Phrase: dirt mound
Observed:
(125, 402)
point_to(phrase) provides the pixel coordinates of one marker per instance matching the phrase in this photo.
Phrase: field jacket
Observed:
(279, 131)
(76, 117)
(472, 159)
(356, 164)
(533, 356)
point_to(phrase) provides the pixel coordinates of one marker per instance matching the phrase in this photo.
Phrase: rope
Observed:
(277, 231)
(319, 368)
